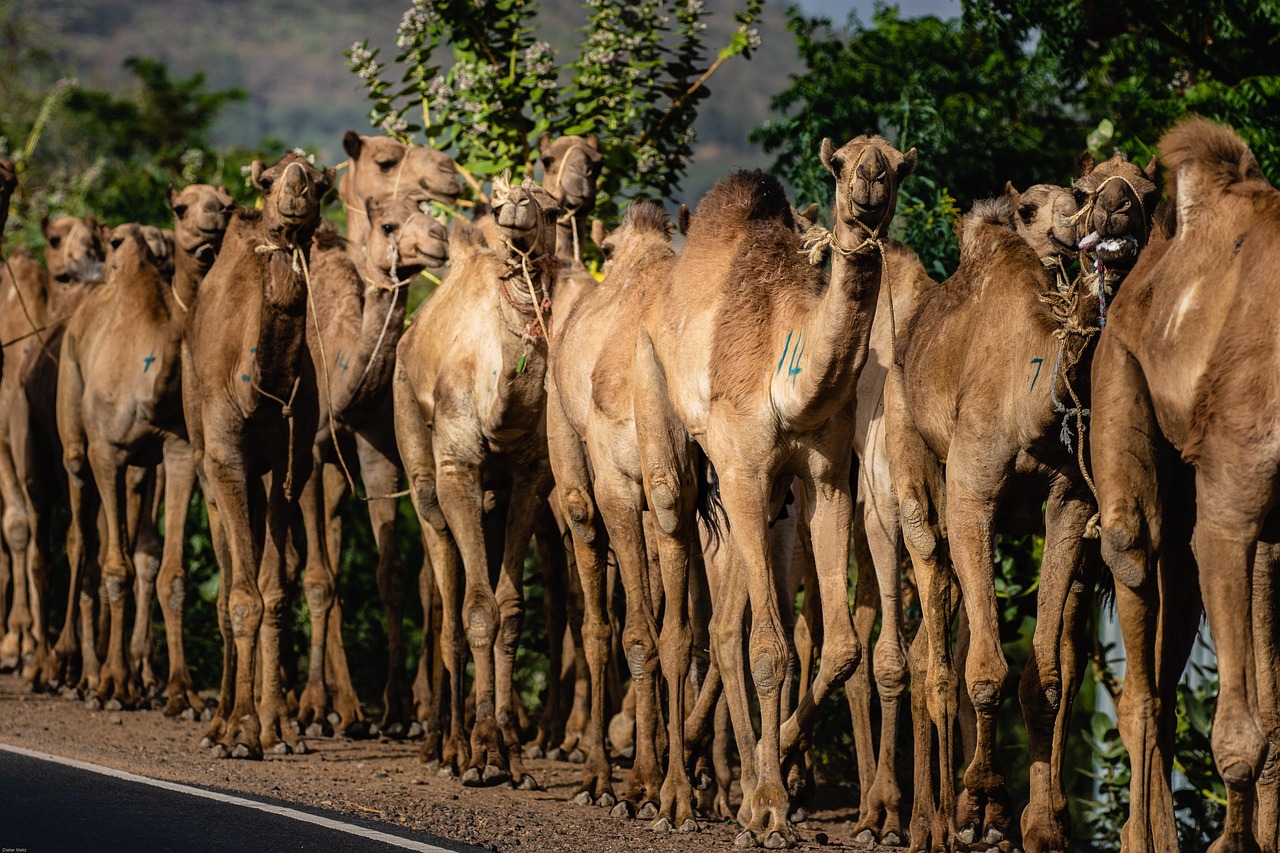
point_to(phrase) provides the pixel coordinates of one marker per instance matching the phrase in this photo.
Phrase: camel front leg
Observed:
(552, 559)
(278, 734)
(179, 482)
(17, 537)
(147, 551)
(76, 636)
(346, 716)
(320, 585)
(1267, 661)
(117, 687)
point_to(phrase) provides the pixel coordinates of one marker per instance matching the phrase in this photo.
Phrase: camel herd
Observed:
(713, 427)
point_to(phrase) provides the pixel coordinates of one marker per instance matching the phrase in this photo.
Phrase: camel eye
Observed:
(1027, 212)
(55, 242)
(181, 210)
(388, 228)
(387, 165)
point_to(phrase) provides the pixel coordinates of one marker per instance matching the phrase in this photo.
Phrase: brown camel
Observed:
(382, 167)
(1185, 461)
(35, 314)
(470, 419)
(571, 166)
(596, 459)
(250, 400)
(738, 308)
(362, 311)
(979, 435)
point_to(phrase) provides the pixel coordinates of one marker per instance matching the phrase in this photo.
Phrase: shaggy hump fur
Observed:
(647, 216)
(1212, 148)
(737, 200)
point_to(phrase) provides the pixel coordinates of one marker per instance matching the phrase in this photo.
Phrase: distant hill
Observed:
(288, 54)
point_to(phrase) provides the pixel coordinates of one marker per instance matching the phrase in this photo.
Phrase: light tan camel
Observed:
(1184, 406)
(36, 313)
(470, 420)
(571, 167)
(382, 167)
(361, 313)
(250, 400)
(596, 459)
(740, 308)
(982, 416)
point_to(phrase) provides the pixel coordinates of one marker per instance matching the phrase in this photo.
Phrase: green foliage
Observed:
(636, 82)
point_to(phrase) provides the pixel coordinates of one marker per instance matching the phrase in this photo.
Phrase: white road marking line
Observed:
(282, 811)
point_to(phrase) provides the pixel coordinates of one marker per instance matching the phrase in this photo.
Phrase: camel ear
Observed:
(825, 152)
(1011, 192)
(1152, 170)
(810, 213)
(597, 232)
(593, 142)
(544, 144)
(682, 219)
(1085, 164)
(908, 164)
(255, 175)
(173, 194)
(228, 203)
(352, 143)
(44, 225)
(327, 177)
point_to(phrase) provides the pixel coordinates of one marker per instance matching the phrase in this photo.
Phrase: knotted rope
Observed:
(1064, 307)
(817, 240)
(536, 305)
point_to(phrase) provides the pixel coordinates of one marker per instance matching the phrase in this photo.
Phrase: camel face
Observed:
(130, 254)
(382, 166)
(293, 189)
(200, 216)
(526, 216)
(868, 172)
(1045, 216)
(571, 165)
(1119, 199)
(403, 240)
(75, 251)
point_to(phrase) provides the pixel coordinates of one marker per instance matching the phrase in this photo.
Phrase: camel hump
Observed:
(740, 198)
(976, 225)
(1212, 149)
(327, 238)
(465, 239)
(647, 216)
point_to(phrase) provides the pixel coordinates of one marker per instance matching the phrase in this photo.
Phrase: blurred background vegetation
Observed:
(106, 104)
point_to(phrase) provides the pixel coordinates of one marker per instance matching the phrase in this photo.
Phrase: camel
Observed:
(384, 167)
(1185, 460)
(571, 166)
(716, 336)
(977, 345)
(251, 402)
(363, 317)
(470, 420)
(596, 460)
(36, 309)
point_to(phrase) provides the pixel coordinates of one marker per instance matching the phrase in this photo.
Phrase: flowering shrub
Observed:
(636, 83)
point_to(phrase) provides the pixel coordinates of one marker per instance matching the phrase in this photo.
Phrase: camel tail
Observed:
(1213, 150)
(709, 505)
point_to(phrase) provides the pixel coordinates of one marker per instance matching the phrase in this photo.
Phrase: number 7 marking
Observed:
(1038, 362)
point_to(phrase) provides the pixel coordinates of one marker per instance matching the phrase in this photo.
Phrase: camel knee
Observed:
(422, 487)
(768, 657)
(481, 616)
(891, 668)
(17, 532)
(245, 610)
(1041, 698)
(580, 512)
(915, 528)
(1124, 544)
(665, 497)
(173, 588)
(1239, 750)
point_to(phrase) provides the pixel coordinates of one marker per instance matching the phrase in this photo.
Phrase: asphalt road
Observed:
(47, 806)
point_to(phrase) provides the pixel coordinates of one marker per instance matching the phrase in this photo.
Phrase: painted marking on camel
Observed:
(793, 367)
(146, 362)
(1038, 362)
(338, 362)
(784, 354)
(231, 799)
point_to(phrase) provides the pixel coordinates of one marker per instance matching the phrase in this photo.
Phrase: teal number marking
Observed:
(338, 361)
(1038, 362)
(785, 349)
(796, 355)
(146, 362)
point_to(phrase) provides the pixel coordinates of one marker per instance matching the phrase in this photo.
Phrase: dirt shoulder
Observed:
(382, 780)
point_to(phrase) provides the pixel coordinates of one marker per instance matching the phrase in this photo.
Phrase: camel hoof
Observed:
(220, 751)
(113, 705)
(281, 748)
(334, 719)
(495, 775)
(865, 838)
(606, 800)
(396, 731)
(891, 839)
(583, 798)
(300, 748)
(206, 742)
(446, 772)
(776, 841)
(533, 751)
(994, 835)
(799, 815)
(577, 756)
(315, 730)
(471, 777)
(746, 838)
(966, 835)
(415, 731)
(92, 703)
(647, 812)
(689, 825)
(556, 754)
(528, 783)
(206, 715)
(242, 751)
(622, 809)
(661, 825)
(188, 716)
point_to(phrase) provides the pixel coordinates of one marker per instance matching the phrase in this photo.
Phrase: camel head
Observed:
(74, 249)
(571, 166)
(128, 253)
(8, 184)
(384, 167)
(160, 244)
(526, 217)
(200, 216)
(292, 190)
(868, 171)
(1117, 200)
(1045, 216)
(403, 241)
